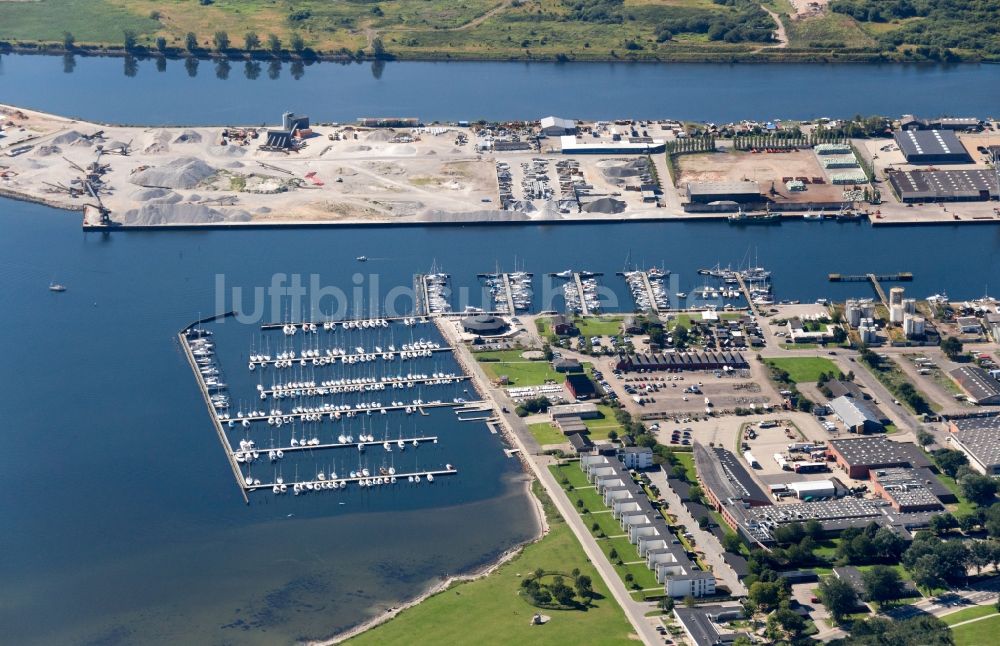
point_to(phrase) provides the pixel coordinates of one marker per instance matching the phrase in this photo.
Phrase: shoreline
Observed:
(770, 55)
(442, 586)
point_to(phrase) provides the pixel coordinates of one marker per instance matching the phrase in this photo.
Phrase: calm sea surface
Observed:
(137, 91)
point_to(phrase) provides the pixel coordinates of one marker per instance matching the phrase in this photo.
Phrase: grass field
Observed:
(545, 433)
(969, 613)
(489, 610)
(599, 325)
(978, 633)
(519, 371)
(804, 369)
(600, 427)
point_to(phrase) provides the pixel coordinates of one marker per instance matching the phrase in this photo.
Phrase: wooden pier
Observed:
(649, 292)
(401, 478)
(746, 293)
(333, 445)
(319, 324)
(903, 276)
(415, 408)
(509, 295)
(390, 382)
(206, 395)
(345, 358)
(584, 308)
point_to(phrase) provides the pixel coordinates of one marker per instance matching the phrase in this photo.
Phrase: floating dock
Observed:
(584, 307)
(903, 276)
(348, 389)
(334, 445)
(414, 408)
(318, 485)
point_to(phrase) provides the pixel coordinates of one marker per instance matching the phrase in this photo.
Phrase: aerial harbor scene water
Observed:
(345, 328)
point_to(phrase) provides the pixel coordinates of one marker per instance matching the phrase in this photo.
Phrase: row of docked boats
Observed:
(330, 356)
(311, 388)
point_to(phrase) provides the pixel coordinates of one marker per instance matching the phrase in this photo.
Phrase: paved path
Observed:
(634, 610)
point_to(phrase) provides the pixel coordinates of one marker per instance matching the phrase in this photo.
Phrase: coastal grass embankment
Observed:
(605, 30)
(491, 610)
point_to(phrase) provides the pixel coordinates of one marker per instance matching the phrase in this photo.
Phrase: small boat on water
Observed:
(56, 287)
(742, 217)
(813, 216)
(362, 258)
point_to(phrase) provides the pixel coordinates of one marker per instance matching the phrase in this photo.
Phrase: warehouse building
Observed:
(813, 489)
(856, 414)
(580, 386)
(982, 389)
(905, 490)
(857, 456)
(979, 439)
(709, 192)
(944, 185)
(628, 146)
(932, 147)
(728, 486)
(557, 127)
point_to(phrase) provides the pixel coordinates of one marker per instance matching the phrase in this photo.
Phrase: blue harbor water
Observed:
(118, 90)
(121, 504)
(122, 520)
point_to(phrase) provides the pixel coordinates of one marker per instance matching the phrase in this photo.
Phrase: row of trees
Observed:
(783, 140)
(222, 43)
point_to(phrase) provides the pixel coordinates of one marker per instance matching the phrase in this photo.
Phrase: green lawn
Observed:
(968, 613)
(545, 433)
(600, 427)
(571, 471)
(977, 633)
(592, 501)
(599, 325)
(519, 372)
(687, 460)
(489, 610)
(804, 369)
(605, 521)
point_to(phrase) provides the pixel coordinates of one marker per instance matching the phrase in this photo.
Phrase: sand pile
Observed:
(45, 151)
(70, 137)
(157, 142)
(158, 214)
(188, 137)
(156, 196)
(402, 149)
(381, 135)
(228, 151)
(628, 169)
(357, 149)
(605, 206)
(235, 164)
(183, 172)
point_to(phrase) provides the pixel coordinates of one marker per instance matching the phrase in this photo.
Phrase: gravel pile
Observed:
(188, 137)
(605, 205)
(381, 135)
(159, 214)
(184, 172)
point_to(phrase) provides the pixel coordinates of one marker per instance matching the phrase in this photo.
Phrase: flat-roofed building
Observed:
(586, 410)
(979, 439)
(932, 147)
(857, 456)
(973, 185)
(708, 192)
(904, 489)
(979, 385)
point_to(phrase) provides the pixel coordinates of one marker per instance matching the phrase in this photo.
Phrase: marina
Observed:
(648, 290)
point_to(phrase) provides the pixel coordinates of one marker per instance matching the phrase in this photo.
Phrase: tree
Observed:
(612, 435)
(952, 347)
(838, 596)
(69, 41)
(191, 41)
(813, 529)
(161, 44)
(731, 542)
(928, 571)
(613, 554)
(667, 604)
(704, 522)
(221, 40)
(298, 43)
(689, 601)
(942, 523)
(882, 584)
(992, 521)
(766, 595)
(251, 41)
(130, 40)
(949, 460)
(274, 44)
(978, 488)
(784, 623)
(924, 438)
(880, 631)
(378, 47)
(981, 554)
